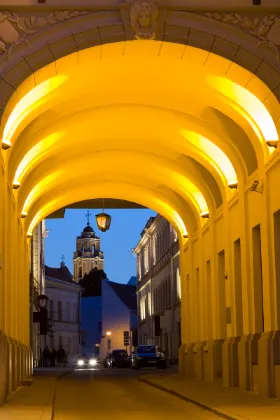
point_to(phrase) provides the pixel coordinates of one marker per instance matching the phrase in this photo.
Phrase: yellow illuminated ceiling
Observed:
(139, 126)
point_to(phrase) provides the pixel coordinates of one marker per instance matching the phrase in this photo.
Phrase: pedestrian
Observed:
(46, 356)
(61, 356)
(52, 356)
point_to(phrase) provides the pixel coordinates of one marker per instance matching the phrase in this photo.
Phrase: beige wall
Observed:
(157, 286)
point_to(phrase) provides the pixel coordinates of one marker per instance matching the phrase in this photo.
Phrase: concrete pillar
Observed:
(17, 364)
(230, 361)
(199, 348)
(247, 356)
(182, 359)
(267, 349)
(214, 367)
(189, 371)
(4, 381)
(244, 362)
(23, 356)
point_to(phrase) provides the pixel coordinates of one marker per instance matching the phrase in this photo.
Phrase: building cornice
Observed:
(62, 283)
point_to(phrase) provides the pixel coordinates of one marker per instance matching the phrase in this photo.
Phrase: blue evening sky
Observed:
(124, 233)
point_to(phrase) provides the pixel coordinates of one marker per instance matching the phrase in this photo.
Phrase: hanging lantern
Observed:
(103, 220)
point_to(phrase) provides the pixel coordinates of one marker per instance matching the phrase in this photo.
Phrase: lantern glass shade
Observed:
(103, 221)
(43, 301)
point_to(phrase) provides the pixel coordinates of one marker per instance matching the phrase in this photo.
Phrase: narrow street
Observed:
(110, 394)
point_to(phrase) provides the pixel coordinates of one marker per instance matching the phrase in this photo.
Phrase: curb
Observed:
(50, 415)
(218, 413)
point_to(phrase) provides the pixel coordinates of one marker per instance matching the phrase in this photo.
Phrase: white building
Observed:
(159, 287)
(119, 304)
(37, 285)
(87, 255)
(64, 309)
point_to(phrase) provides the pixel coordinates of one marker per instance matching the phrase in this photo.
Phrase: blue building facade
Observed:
(91, 324)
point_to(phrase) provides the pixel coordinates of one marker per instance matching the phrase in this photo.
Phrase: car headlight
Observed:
(92, 362)
(81, 362)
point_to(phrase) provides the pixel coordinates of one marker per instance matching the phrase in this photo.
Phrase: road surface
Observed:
(107, 394)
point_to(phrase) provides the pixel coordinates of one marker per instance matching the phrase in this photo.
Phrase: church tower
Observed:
(87, 255)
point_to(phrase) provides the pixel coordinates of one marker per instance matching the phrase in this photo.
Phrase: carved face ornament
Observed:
(143, 19)
(144, 15)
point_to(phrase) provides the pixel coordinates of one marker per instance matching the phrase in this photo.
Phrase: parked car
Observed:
(87, 362)
(119, 358)
(106, 361)
(148, 356)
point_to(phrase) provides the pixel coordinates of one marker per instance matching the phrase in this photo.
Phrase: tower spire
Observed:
(62, 264)
(88, 214)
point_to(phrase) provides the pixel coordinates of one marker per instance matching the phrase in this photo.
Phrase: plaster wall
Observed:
(116, 318)
(66, 329)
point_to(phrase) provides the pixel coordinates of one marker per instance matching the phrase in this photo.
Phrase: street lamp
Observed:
(108, 333)
(43, 301)
(103, 220)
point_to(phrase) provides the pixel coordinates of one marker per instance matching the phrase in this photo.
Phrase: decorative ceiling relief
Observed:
(265, 28)
(144, 16)
(15, 28)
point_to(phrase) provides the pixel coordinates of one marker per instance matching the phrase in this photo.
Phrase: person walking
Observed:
(52, 356)
(61, 356)
(46, 356)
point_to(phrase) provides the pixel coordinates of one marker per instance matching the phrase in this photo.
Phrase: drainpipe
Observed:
(31, 293)
(172, 307)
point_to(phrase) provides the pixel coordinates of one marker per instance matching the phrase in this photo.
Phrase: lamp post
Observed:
(43, 301)
(108, 334)
(103, 220)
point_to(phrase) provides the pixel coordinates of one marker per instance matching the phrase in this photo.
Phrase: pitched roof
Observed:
(61, 273)
(132, 281)
(126, 293)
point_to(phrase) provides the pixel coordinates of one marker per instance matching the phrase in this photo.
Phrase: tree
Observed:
(91, 282)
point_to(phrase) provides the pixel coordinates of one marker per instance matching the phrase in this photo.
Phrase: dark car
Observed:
(148, 356)
(119, 358)
(85, 362)
(106, 361)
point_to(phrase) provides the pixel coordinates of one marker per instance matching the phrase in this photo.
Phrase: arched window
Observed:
(178, 284)
(146, 259)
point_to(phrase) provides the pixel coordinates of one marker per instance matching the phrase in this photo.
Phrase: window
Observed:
(59, 311)
(146, 259)
(142, 308)
(154, 249)
(222, 293)
(67, 345)
(51, 309)
(258, 282)
(238, 287)
(139, 266)
(179, 334)
(276, 220)
(75, 312)
(208, 292)
(67, 317)
(149, 304)
(178, 284)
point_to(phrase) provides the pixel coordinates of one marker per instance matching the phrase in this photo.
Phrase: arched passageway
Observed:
(153, 123)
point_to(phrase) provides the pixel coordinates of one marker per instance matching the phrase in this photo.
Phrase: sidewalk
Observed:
(34, 402)
(229, 403)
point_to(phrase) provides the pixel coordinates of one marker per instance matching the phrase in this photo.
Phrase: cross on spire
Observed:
(88, 214)
(62, 258)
